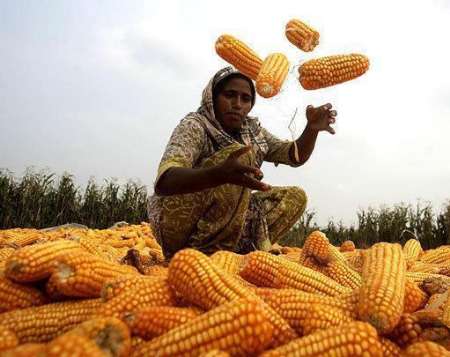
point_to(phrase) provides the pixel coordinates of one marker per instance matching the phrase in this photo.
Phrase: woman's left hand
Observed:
(321, 118)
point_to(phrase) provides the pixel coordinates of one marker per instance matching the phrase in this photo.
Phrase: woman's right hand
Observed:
(233, 172)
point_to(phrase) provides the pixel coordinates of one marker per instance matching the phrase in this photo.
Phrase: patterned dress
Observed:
(226, 217)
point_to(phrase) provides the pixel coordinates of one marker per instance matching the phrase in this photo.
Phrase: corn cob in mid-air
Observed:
(331, 70)
(301, 35)
(238, 54)
(271, 77)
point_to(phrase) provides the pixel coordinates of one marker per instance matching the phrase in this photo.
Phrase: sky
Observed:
(95, 88)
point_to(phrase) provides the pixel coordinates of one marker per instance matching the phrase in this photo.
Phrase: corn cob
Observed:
(5, 253)
(153, 293)
(83, 274)
(52, 292)
(421, 277)
(292, 256)
(24, 238)
(73, 346)
(136, 341)
(228, 261)
(446, 311)
(7, 339)
(353, 339)
(343, 274)
(301, 35)
(109, 334)
(264, 269)
(389, 348)
(347, 246)
(43, 323)
(317, 246)
(354, 259)
(331, 70)
(436, 256)
(415, 297)
(15, 296)
(33, 263)
(272, 75)
(27, 350)
(239, 55)
(426, 348)
(412, 251)
(291, 303)
(382, 292)
(215, 353)
(421, 267)
(117, 286)
(435, 284)
(240, 327)
(201, 283)
(154, 321)
(407, 331)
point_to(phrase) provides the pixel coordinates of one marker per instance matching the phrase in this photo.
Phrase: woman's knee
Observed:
(297, 198)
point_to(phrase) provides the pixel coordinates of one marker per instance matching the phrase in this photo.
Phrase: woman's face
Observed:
(233, 104)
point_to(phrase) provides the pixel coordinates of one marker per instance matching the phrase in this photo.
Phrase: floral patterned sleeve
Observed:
(278, 150)
(184, 146)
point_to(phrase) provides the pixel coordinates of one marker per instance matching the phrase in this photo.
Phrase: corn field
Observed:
(41, 199)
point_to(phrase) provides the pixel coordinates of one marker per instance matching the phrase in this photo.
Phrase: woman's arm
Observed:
(319, 119)
(180, 180)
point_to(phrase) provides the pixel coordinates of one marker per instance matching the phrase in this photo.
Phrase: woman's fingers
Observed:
(250, 170)
(254, 184)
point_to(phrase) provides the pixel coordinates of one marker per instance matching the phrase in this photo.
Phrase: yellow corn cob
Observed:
(382, 292)
(435, 284)
(264, 269)
(215, 353)
(7, 339)
(239, 327)
(35, 262)
(239, 55)
(292, 256)
(446, 312)
(16, 296)
(407, 331)
(136, 341)
(73, 346)
(412, 251)
(343, 274)
(195, 277)
(52, 292)
(83, 274)
(155, 292)
(331, 70)
(426, 348)
(389, 348)
(43, 323)
(301, 35)
(354, 259)
(27, 350)
(109, 334)
(290, 303)
(352, 339)
(347, 246)
(421, 277)
(94, 247)
(436, 256)
(228, 261)
(117, 286)
(317, 246)
(415, 297)
(272, 75)
(154, 321)
(5, 253)
(421, 267)
(23, 238)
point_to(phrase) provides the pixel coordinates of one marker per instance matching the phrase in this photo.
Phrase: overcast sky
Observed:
(95, 88)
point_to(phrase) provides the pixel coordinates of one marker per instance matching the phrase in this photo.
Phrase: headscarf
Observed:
(206, 117)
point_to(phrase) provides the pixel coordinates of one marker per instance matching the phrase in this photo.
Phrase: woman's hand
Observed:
(321, 118)
(232, 171)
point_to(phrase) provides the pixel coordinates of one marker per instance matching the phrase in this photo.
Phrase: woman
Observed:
(203, 191)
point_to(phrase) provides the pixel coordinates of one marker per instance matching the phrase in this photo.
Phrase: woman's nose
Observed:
(237, 103)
